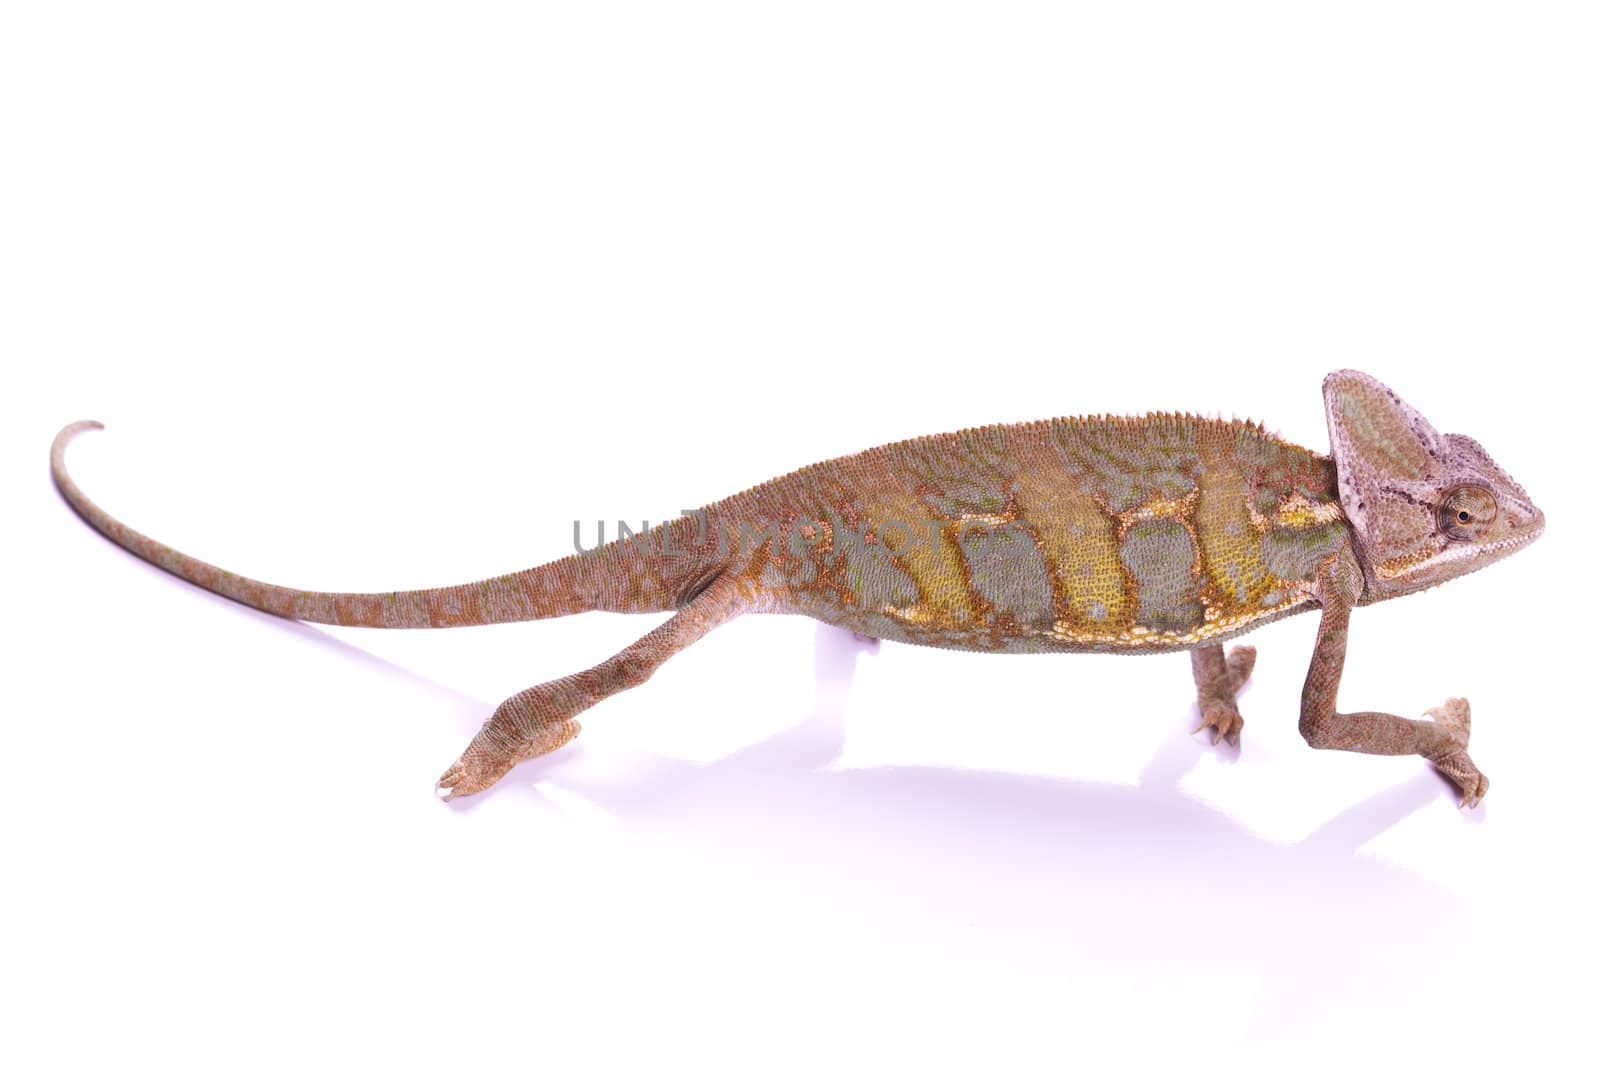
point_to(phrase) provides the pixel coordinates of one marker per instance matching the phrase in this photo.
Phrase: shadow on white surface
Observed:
(1127, 883)
(1132, 884)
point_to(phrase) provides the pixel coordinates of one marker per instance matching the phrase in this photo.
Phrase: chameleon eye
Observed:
(1465, 511)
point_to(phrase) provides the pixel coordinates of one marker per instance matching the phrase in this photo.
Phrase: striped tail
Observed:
(617, 577)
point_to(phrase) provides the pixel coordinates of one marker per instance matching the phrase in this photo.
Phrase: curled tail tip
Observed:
(58, 447)
(73, 429)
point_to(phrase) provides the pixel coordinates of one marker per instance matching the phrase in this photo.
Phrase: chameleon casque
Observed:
(1107, 534)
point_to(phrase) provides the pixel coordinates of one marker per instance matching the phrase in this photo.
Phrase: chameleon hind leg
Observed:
(1217, 680)
(1442, 741)
(538, 720)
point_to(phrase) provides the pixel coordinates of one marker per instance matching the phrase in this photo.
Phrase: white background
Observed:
(384, 295)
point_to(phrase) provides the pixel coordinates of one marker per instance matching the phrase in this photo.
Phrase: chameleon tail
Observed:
(616, 577)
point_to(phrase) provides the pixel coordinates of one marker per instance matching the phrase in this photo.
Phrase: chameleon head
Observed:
(1424, 506)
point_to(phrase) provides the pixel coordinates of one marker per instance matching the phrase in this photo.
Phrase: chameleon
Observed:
(1119, 534)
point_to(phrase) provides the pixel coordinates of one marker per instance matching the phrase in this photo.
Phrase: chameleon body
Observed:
(1106, 534)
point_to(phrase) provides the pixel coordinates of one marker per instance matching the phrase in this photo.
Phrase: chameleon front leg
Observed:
(1217, 681)
(538, 720)
(1443, 741)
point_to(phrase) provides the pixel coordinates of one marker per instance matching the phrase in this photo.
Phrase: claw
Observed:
(1225, 721)
(1464, 774)
(449, 780)
(489, 757)
(472, 773)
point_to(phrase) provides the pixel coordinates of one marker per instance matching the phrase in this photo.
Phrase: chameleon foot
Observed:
(492, 754)
(1456, 718)
(1217, 685)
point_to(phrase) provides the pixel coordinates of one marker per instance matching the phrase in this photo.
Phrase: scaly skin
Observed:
(1149, 534)
(1080, 535)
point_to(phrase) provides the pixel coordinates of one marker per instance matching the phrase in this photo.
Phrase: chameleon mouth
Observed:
(1512, 544)
(1532, 527)
(1485, 553)
(1453, 561)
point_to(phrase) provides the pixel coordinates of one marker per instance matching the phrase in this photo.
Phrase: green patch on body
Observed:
(874, 578)
(1161, 556)
(1295, 554)
(1007, 570)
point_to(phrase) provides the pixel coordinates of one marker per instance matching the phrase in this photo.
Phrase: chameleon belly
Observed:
(1102, 534)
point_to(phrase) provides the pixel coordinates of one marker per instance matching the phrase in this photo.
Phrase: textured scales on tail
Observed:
(1149, 534)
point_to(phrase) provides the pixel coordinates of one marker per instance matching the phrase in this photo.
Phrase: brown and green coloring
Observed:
(1148, 534)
